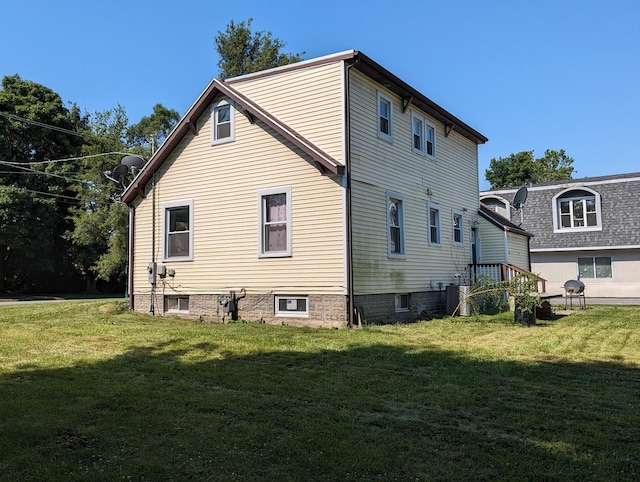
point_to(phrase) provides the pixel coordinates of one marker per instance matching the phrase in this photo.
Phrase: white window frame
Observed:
(178, 298)
(291, 300)
(429, 137)
(435, 207)
(417, 131)
(565, 196)
(457, 213)
(402, 302)
(399, 200)
(262, 194)
(388, 136)
(595, 267)
(167, 207)
(215, 108)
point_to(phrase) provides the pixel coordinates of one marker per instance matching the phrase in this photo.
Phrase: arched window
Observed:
(577, 209)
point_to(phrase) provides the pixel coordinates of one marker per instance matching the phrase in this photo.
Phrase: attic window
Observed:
(577, 210)
(223, 122)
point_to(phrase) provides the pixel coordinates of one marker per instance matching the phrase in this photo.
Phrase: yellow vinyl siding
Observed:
(223, 181)
(380, 165)
(309, 100)
(491, 243)
(518, 250)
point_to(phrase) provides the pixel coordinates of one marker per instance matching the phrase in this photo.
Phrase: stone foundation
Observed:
(381, 308)
(325, 311)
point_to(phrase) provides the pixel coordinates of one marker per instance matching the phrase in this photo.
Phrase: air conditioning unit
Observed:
(452, 298)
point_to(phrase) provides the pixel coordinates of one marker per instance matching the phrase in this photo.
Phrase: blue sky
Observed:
(529, 75)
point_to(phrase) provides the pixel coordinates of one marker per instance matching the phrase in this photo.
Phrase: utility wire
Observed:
(40, 192)
(41, 124)
(50, 161)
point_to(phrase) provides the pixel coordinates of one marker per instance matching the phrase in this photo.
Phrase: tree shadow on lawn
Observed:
(380, 412)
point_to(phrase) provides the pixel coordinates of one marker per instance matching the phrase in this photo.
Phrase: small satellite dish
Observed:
(120, 172)
(520, 197)
(133, 163)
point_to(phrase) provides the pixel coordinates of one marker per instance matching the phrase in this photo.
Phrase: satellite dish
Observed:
(520, 197)
(120, 172)
(133, 163)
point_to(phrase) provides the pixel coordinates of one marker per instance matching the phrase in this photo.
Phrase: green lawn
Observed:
(90, 391)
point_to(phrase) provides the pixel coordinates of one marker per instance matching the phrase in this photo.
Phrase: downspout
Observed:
(132, 221)
(351, 302)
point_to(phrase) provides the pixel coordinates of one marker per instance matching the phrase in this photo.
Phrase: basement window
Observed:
(402, 302)
(177, 304)
(297, 306)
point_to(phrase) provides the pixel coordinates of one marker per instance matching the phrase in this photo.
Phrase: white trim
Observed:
(415, 117)
(214, 125)
(262, 253)
(436, 207)
(383, 135)
(390, 195)
(429, 125)
(169, 310)
(398, 303)
(557, 222)
(585, 248)
(291, 314)
(460, 213)
(166, 206)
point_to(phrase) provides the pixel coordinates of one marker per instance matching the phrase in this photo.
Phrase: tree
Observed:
(36, 127)
(242, 51)
(522, 169)
(152, 130)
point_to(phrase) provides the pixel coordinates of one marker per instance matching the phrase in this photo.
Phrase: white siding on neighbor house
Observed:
(223, 181)
(308, 100)
(379, 166)
(558, 267)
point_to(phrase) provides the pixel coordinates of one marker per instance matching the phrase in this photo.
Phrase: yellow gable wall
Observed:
(223, 181)
(380, 165)
(309, 100)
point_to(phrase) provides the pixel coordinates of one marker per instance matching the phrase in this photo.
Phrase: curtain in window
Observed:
(394, 227)
(275, 229)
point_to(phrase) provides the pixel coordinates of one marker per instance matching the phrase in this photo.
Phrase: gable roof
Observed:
(324, 162)
(501, 222)
(379, 74)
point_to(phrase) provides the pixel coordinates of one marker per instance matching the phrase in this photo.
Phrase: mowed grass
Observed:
(91, 391)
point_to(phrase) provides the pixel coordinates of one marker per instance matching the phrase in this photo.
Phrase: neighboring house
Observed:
(502, 241)
(587, 229)
(324, 193)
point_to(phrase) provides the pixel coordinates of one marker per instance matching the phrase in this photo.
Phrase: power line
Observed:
(41, 124)
(40, 192)
(66, 159)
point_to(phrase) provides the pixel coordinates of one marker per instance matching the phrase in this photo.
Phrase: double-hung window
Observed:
(430, 139)
(223, 122)
(417, 133)
(178, 230)
(385, 117)
(434, 223)
(577, 210)
(458, 227)
(423, 136)
(395, 225)
(274, 209)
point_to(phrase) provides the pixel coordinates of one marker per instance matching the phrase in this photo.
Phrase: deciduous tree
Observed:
(522, 168)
